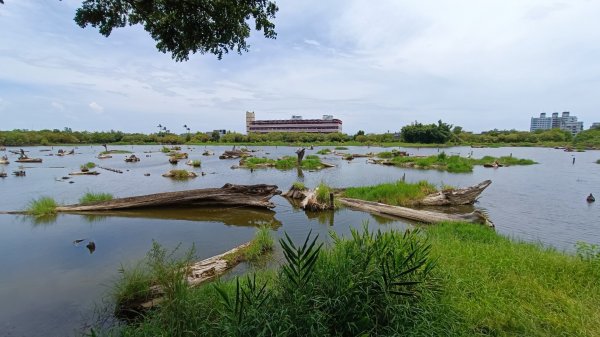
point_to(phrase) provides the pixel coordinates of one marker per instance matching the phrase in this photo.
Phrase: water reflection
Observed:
(325, 217)
(235, 216)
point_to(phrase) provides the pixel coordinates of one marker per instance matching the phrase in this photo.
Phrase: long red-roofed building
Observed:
(327, 124)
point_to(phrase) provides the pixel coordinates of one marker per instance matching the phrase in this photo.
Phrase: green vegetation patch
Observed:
(451, 279)
(369, 284)
(90, 198)
(598, 161)
(41, 207)
(398, 194)
(341, 148)
(196, 163)
(324, 151)
(115, 151)
(299, 186)
(496, 286)
(323, 191)
(455, 164)
(262, 243)
(310, 162)
(179, 174)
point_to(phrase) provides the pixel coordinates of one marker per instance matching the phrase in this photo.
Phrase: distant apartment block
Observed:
(595, 125)
(564, 122)
(327, 124)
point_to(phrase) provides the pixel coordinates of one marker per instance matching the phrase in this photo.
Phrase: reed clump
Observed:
(91, 197)
(42, 206)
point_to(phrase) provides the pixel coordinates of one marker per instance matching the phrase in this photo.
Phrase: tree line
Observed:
(416, 133)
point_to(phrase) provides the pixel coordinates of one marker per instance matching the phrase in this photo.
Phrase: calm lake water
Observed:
(51, 287)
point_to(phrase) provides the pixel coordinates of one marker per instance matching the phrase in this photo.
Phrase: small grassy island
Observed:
(311, 162)
(396, 194)
(115, 152)
(454, 164)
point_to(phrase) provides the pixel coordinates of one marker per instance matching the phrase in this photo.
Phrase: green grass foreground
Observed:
(494, 286)
(455, 164)
(397, 194)
(90, 198)
(42, 206)
(451, 279)
(310, 162)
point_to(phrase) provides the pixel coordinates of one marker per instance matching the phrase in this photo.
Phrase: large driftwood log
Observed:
(228, 195)
(461, 196)
(414, 214)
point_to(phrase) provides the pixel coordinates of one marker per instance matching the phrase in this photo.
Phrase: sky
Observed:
(376, 65)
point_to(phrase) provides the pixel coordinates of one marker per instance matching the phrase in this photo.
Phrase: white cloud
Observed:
(96, 107)
(312, 42)
(377, 66)
(58, 106)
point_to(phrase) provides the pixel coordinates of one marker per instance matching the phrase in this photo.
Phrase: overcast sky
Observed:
(377, 65)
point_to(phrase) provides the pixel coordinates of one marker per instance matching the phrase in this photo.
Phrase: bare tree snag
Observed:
(461, 196)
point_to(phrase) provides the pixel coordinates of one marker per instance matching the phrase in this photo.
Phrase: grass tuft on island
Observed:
(115, 152)
(455, 164)
(598, 161)
(262, 243)
(180, 174)
(341, 148)
(396, 194)
(311, 162)
(195, 163)
(452, 279)
(42, 206)
(299, 186)
(324, 151)
(91, 197)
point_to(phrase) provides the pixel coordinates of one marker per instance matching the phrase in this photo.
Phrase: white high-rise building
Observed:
(564, 122)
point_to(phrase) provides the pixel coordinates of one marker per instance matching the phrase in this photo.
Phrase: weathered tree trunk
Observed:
(414, 214)
(310, 202)
(228, 195)
(300, 153)
(295, 193)
(462, 196)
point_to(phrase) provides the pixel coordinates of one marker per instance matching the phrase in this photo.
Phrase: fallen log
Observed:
(212, 267)
(414, 214)
(228, 195)
(84, 173)
(110, 169)
(196, 274)
(461, 196)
